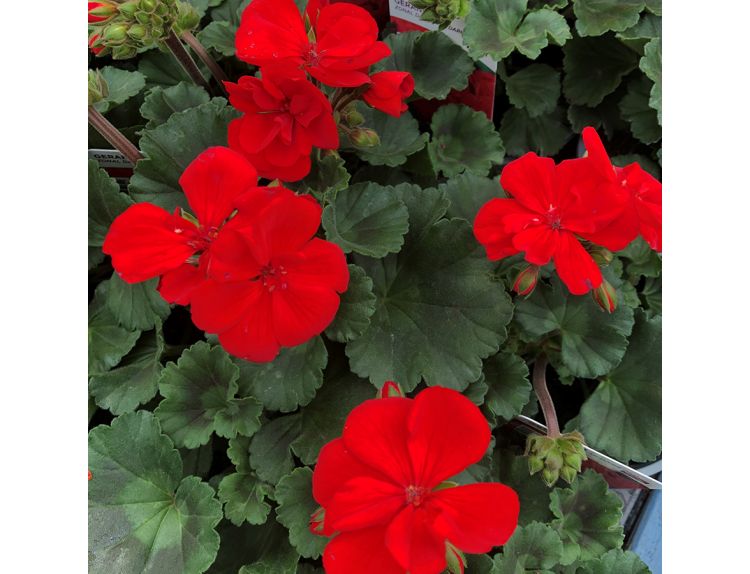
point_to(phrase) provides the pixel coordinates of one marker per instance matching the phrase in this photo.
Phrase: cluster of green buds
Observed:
(442, 12)
(98, 89)
(123, 27)
(559, 457)
(351, 122)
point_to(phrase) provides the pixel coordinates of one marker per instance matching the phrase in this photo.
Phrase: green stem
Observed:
(206, 58)
(185, 60)
(114, 136)
(545, 400)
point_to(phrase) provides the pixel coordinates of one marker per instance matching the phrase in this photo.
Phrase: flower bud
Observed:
(535, 464)
(352, 117)
(568, 474)
(601, 255)
(148, 5)
(526, 280)
(317, 520)
(550, 476)
(129, 9)
(137, 32)
(187, 18)
(454, 559)
(364, 137)
(101, 11)
(90, 475)
(115, 34)
(605, 296)
(555, 457)
(389, 390)
(143, 18)
(554, 460)
(98, 89)
(124, 52)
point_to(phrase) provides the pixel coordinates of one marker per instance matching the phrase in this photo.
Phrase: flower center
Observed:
(415, 495)
(311, 57)
(202, 237)
(273, 277)
(553, 218)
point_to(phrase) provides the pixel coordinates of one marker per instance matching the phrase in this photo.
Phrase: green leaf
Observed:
(134, 381)
(437, 64)
(463, 139)
(594, 67)
(220, 37)
(290, 380)
(327, 177)
(654, 6)
(606, 115)
(545, 134)
(535, 88)
(161, 102)
(652, 295)
(399, 138)
(296, 505)
(507, 377)
(136, 305)
(647, 27)
(532, 492)
(367, 218)
(172, 146)
(642, 260)
(478, 564)
(643, 120)
(230, 11)
(197, 461)
(534, 548)
(244, 498)
(497, 27)
(650, 64)
(271, 551)
(595, 17)
(105, 203)
(592, 342)
(623, 416)
(468, 193)
(162, 69)
(438, 311)
(108, 341)
(587, 517)
(198, 394)
(142, 516)
(356, 307)
(618, 562)
(122, 86)
(270, 454)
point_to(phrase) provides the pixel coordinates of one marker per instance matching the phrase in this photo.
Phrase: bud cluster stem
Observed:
(539, 382)
(185, 60)
(206, 58)
(114, 136)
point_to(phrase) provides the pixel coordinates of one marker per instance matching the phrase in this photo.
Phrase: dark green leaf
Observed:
(647, 27)
(356, 308)
(270, 454)
(618, 562)
(643, 120)
(244, 498)
(220, 37)
(534, 548)
(545, 134)
(532, 492)
(136, 305)
(108, 341)
(105, 203)
(327, 176)
(654, 6)
(463, 139)
(274, 553)
(230, 11)
(605, 116)
(535, 88)
(122, 86)
(478, 564)
(399, 138)
(642, 261)
(161, 102)
(468, 192)
(595, 17)
(296, 505)
(652, 295)
(650, 64)
(162, 69)
(507, 377)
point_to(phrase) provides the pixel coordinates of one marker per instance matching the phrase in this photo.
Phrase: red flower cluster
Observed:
(553, 207)
(286, 115)
(383, 491)
(247, 263)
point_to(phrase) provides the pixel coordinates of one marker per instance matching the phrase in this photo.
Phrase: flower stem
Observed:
(206, 58)
(185, 60)
(114, 136)
(545, 400)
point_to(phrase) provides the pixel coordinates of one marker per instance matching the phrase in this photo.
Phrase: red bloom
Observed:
(284, 118)
(271, 282)
(147, 241)
(380, 487)
(342, 45)
(551, 206)
(388, 92)
(641, 189)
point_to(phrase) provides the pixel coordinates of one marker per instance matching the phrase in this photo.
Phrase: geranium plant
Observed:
(328, 276)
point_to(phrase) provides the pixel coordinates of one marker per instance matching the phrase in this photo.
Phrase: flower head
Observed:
(388, 92)
(382, 485)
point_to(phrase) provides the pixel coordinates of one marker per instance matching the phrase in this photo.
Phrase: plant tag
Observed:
(115, 164)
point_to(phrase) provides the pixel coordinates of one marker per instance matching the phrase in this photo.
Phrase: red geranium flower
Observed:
(382, 488)
(284, 118)
(271, 283)
(342, 45)
(550, 208)
(146, 241)
(642, 194)
(388, 92)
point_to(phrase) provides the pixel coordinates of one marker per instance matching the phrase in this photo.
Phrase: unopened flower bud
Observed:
(526, 280)
(317, 520)
(573, 461)
(554, 460)
(187, 17)
(535, 464)
(101, 11)
(390, 390)
(605, 296)
(364, 137)
(148, 5)
(129, 9)
(556, 457)
(568, 474)
(550, 476)
(124, 52)
(352, 117)
(98, 89)
(115, 34)
(90, 475)
(455, 560)
(143, 17)
(601, 255)
(137, 32)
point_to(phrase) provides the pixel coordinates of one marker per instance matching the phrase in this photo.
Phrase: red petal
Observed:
(217, 306)
(319, 263)
(334, 467)
(447, 433)
(477, 517)
(252, 337)
(414, 543)
(271, 31)
(531, 180)
(595, 151)
(362, 502)
(360, 552)
(539, 243)
(575, 266)
(375, 432)
(490, 230)
(213, 181)
(177, 286)
(300, 312)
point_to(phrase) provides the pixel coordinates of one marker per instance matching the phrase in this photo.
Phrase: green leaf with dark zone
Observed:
(647, 27)
(296, 505)
(270, 449)
(478, 564)
(592, 342)
(650, 65)
(498, 27)
(596, 17)
(617, 562)
(545, 134)
(328, 176)
(161, 102)
(587, 517)
(290, 380)
(356, 307)
(143, 516)
(438, 311)
(368, 219)
(104, 204)
(507, 377)
(651, 294)
(533, 494)
(122, 85)
(220, 37)
(642, 261)
(244, 498)
(594, 67)
(172, 146)
(199, 398)
(399, 138)
(535, 548)
(108, 341)
(644, 124)
(535, 88)
(136, 305)
(464, 140)
(623, 416)
(604, 116)
(468, 193)
(135, 380)
(162, 69)
(437, 64)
